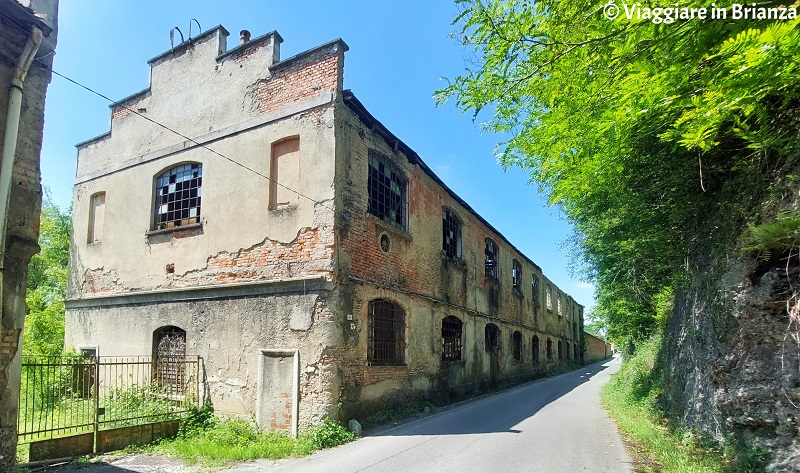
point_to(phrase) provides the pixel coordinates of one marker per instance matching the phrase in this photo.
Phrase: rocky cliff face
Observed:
(733, 353)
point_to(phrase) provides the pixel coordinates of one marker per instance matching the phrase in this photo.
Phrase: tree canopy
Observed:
(47, 283)
(658, 141)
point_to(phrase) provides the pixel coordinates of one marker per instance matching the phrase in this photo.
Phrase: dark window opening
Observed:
(492, 333)
(535, 347)
(491, 260)
(560, 351)
(549, 349)
(169, 351)
(386, 333)
(577, 351)
(178, 194)
(451, 338)
(516, 345)
(535, 290)
(516, 277)
(451, 235)
(566, 350)
(387, 190)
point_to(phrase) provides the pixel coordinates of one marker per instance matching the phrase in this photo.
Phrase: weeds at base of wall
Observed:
(214, 442)
(657, 444)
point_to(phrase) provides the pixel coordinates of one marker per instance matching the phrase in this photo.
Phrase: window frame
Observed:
(492, 268)
(396, 203)
(535, 290)
(535, 348)
(160, 200)
(391, 351)
(452, 339)
(456, 226)
(516, 276)
(492, 342)
(516, 345)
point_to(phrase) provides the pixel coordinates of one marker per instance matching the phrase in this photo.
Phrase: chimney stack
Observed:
(244, 36)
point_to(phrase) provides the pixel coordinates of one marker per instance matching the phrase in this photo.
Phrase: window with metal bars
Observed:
(387, 191)
(451, 338)
(516, 346)
(549, 349)
(386, 333)
(548, 298)
(535, 348)
(178, 194)
(451, 235)
(535, 289)
(491, 260)
(516, 277)
(492, 335)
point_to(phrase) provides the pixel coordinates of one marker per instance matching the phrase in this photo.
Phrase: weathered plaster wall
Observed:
(415, 275)
(229, 334)
(596, 349)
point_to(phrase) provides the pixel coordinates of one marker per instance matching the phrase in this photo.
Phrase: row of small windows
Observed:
(386, 337)
(388, 188)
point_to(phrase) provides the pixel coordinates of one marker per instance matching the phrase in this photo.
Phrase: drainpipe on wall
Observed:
(10, 140)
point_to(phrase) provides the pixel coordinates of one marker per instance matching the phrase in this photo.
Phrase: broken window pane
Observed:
(178, 192)
(451, 338)
(491, 260)
(451, 235)
(387, 190)
(516, 276)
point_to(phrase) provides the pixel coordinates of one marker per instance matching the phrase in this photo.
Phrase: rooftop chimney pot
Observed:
(244, 36)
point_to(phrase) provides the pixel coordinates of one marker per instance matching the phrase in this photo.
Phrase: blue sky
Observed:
(398, 53)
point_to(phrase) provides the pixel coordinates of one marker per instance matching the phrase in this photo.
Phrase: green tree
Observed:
(656, 140)
(47, 283)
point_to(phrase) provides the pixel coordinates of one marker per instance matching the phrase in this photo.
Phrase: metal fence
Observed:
(70, 395)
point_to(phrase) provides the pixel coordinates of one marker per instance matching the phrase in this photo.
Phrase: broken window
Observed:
(535, 290)
(535, 348)
(558, 300)
(451, 338)
(451, 235)
(516, 346)
(386, 333)
(178, 194)
(492, 333)
(548, 298)
(516, 277)
(549, 349)
(560, 351)
(387, 190)
(491, 260)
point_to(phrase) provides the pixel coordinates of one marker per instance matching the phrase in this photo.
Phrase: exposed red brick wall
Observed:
(124, 109)
(297, 82)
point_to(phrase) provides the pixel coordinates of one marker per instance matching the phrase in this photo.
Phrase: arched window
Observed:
(535, 348)
(177, 196)
(387, 190)
(451, 235)
(492, 334)
(451, 338)
(560, 351)
(516, 346)
(549, 348)
(169, 357)
(386, 332)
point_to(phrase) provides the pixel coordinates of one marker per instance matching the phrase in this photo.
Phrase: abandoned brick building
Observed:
(312, 259)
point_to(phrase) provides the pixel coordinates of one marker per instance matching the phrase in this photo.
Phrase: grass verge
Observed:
(213, 443)
(655, 443)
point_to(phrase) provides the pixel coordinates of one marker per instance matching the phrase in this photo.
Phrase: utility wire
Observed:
(118, 104)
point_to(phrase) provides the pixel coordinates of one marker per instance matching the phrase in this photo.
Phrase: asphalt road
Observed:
(552, 425)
